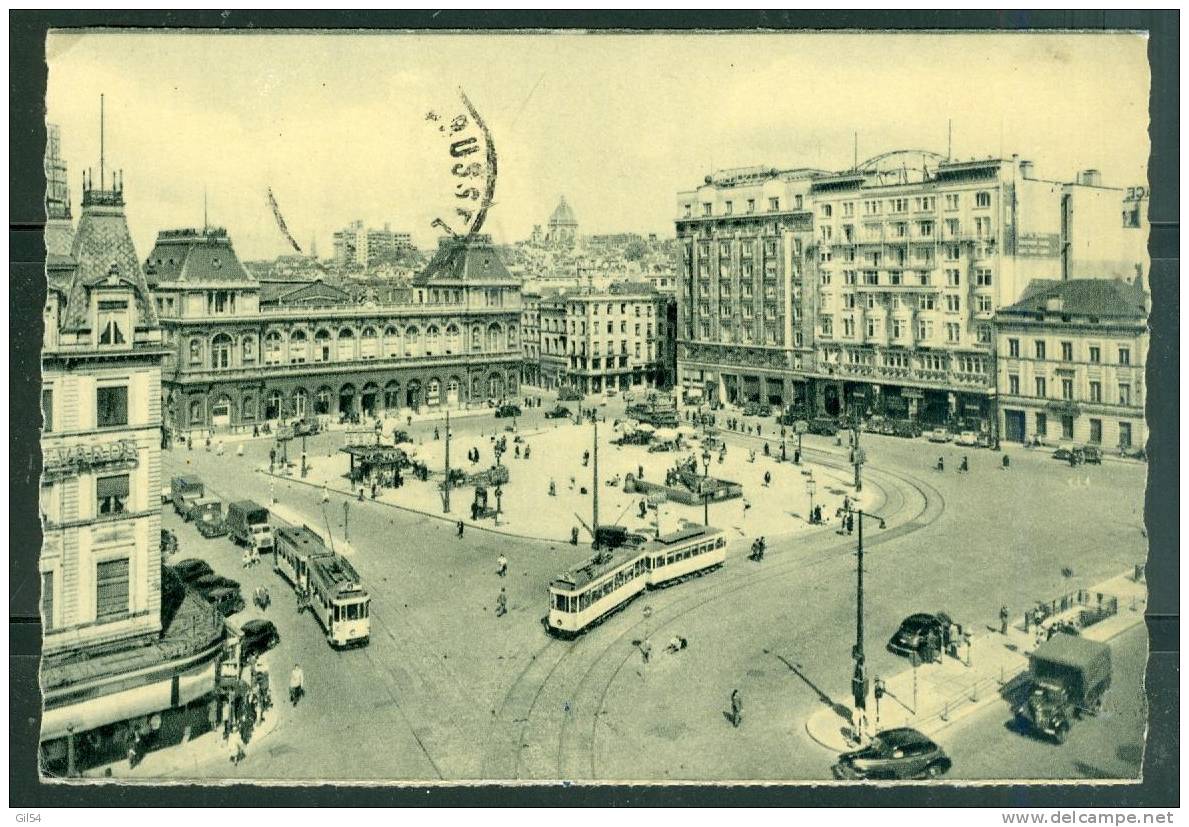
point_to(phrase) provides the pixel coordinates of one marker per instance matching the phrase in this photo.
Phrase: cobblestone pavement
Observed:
(447, 690)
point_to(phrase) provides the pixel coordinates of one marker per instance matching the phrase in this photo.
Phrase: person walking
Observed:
(461, 526)
(501, 603)
(219, 449)
(1006, 462)
(646, 650)
(736, 708)
(1004, 616)
(501, 566)
(767, 478)
(296, 684)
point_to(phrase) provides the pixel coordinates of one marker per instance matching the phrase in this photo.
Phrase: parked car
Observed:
(823, 426)
(401, 436)
(1092, 454)
(166, 494)
(211, 582)
(940, 435)
(907, 428)
(504, 411)
(191, 570)
(227, 601)
(1079, 454)
(559, 412)
(896, 754)
(568, 394)
(968, 438)
(169, 542)
(757, 409)
(258, 637)
(915, 630)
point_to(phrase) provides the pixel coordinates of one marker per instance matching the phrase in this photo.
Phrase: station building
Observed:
(245, 352)
(127, 652)
(1071, 360)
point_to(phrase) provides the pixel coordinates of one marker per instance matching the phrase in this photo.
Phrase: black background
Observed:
(27, 284)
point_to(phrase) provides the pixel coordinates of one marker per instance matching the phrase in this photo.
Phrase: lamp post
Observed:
(303, 456)
(346, 521)
(706, 486)
(859, 457)
(811, 487)
(860, 685)
(446, 494)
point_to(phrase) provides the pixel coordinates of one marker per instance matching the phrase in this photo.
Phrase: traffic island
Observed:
(932, 696)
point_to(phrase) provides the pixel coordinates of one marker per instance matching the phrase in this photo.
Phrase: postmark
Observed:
(472, 160)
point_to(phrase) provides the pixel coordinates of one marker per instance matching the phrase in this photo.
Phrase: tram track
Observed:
(576, 745)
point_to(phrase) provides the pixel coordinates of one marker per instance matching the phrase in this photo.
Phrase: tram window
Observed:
(336, 614)
(365, 609)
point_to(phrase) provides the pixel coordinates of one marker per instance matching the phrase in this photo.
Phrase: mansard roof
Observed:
(472, 259)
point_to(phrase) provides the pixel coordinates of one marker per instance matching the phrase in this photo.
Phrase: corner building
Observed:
(244, 353)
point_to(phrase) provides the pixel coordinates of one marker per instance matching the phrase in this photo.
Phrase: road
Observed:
(446, 690)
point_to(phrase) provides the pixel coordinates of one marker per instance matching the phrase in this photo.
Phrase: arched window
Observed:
(322, 347)
(412, 341)
(433, 393)
(272, 405)
(196, 417)
(433, 341)
(301, 401)
(272, 348)
(494, 338)
(248, 408)
(391, 343)
(369, 344)
(221, 354)
(346, 348)
(322, 400)
(453, 345)
(392, 395)
(452, 387)
(299, 348)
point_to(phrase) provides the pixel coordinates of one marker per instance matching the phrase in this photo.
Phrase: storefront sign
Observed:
(71, 460)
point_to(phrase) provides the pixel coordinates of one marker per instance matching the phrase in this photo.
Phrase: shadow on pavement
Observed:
(839, 710)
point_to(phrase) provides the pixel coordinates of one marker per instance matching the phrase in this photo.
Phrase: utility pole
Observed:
(856, 429)
(446, 503)
(595, 500)
(347, 524)
(859, 679)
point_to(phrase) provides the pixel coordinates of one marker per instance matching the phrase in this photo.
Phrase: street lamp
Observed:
(811, 487)
(860, 684)
(347, 524)
(706, 486)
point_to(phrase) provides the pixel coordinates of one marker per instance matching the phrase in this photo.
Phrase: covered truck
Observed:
(247, 522)
(1068, 676)
(186, 489)
(207, 514)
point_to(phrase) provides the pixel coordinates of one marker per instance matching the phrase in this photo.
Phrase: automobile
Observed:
(306, 427)
(507, 410)
(967, 438)
(940, 435)
(757, 409)
(210, 582)
(559, 412)
(611, 392)
(166, 494)
(227, 601)
(568, 394)
(169, 542)
(823, 426)
(906, 428)
(191, 570)
(258, 637)
(401, 436)
(1092, 454)
(914, 631)
(896, 754)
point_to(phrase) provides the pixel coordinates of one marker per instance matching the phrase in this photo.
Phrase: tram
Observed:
(608, 581)
(339, 601)
(293, 550)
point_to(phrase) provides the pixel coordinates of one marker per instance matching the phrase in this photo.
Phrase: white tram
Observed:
(339, 601)
(293, 549)
(608, 581)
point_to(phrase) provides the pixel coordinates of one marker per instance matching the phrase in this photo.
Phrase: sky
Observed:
(619, 123)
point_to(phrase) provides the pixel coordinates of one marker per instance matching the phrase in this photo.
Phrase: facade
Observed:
(530, 330)
(245, 352)
(884, 278)
(598, 340)
(119, 654)
(356, 245)
(1071, 358)
(563, 226)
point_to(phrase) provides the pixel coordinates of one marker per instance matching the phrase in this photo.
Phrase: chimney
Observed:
(1026, 169)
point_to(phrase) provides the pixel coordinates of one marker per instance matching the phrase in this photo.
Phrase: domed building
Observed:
(563, 226)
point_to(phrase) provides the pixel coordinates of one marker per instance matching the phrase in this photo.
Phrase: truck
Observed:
(184, 491)
(247, 522)
(207, 513)
(1068, 676)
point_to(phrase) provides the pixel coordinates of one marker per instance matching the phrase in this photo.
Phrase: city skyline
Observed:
(1090, 116)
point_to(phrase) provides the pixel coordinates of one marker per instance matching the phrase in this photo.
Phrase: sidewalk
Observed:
(942, 693)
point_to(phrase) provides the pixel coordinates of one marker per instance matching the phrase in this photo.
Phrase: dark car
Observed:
(757, 409)
(1092, 454)
(823, 426)
(507, 410)
(906, 428)
(191, 570)
(559, 412)
(915, 631)
(895, 754)
(568, 394)
(401, 436)
(208, 582)
(227, 601)
(169, 542)
(259, 637)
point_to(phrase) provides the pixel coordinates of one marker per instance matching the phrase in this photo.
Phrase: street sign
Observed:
(800, 426)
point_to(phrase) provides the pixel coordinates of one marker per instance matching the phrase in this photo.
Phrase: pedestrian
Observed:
(574, 536)
(797, 457)
(501, 603)
(643, 509)
(247, 558)
(850, 523)
(516, 453)
(410, 421)
(767, 450)
(460, 528)
(767, 478)
(296, 684)
(208, 443)
(746, 507)
(325, 494)
(501, 566)
(639, 472)
(1006, 462)
(255, 430)
(133, 749)
(646, 650)
(552, 488)
(189, 443)
(474, 511)
(1027, 621)
(436, 435)
(219, 449)
(759, 431)
(272, 458)
(784, 452)
(527, 450)
(1004, 616)
(736, 708)
(373, 489)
